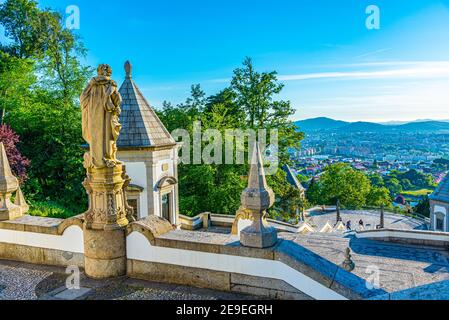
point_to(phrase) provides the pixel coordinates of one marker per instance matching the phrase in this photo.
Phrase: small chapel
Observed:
(150, 155)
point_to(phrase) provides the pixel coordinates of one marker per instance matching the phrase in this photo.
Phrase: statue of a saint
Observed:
(100, 104)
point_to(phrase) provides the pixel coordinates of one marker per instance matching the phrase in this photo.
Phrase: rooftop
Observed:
(141, 127)
(442, 191)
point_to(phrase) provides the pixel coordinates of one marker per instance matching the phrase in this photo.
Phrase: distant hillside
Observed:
(322, 123)
(319, 124)
(424, 126)
(364, 127)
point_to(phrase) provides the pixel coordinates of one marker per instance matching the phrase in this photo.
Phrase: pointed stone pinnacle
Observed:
(258, 196)
(8, 183)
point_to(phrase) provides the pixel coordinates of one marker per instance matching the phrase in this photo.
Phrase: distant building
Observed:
(439, 207)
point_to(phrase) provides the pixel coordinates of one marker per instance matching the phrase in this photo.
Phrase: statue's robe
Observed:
(100, 104)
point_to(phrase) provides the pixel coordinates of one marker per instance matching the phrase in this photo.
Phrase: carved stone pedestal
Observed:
(105, 222)
(104, 253)
(259, 234)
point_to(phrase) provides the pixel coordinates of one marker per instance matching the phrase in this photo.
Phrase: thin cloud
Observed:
(424, 70)
(372, 53)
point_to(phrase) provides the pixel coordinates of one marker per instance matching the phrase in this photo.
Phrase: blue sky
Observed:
(331, 64)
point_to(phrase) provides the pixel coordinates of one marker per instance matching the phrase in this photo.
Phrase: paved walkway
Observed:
(19, 281)
(370, 218)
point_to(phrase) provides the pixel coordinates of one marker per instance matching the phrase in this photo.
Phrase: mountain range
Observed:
(320, 124)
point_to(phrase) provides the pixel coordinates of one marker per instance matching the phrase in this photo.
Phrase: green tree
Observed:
(313, 194)
(16, 79)
(254, 94)
(394, 186)
(423, 207)
(379, 196)
(341, 182)
(25, 26)
(43, 79)
(406, 184)
(377, 180)
(201, 185)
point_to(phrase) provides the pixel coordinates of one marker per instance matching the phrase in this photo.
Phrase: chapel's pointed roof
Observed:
(141, 127)
(442, 191)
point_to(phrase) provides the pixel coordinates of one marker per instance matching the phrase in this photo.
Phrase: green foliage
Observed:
(41, 79)
(247, 103)
(379, 196)
(16, 79)
(340, 182)
(393, 185)
(51, 138)
(24, 25)
(50, 210)
(423, 207)
(411, 179)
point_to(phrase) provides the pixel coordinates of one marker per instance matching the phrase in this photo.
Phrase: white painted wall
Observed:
(139, 248)
(72, 240)
(138, 174)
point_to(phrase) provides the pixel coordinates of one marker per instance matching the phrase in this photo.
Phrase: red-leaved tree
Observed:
(18, 163)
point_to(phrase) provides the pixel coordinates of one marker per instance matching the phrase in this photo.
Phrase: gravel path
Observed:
(20, 281)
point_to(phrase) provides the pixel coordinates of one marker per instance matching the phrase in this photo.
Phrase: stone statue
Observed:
(100, 104)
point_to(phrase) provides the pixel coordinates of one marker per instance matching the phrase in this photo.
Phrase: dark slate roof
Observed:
(292, 179)
(442, 191)
(141, 127)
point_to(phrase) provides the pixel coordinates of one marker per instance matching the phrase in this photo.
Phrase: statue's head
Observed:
(104, 70)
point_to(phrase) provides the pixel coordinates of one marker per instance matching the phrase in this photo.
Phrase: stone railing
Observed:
(43, 241)
(416, 237)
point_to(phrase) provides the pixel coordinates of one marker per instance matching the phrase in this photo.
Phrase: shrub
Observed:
(50, 210)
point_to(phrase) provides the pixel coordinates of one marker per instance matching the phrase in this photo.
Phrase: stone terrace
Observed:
(371, 219)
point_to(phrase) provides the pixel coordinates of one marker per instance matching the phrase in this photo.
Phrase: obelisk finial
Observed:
(258, 198)
(128, 70)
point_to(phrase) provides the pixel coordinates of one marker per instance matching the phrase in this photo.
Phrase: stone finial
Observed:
(8, 185)
(128, 70)
(257, 198)
(7, 179)
(348, 264)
